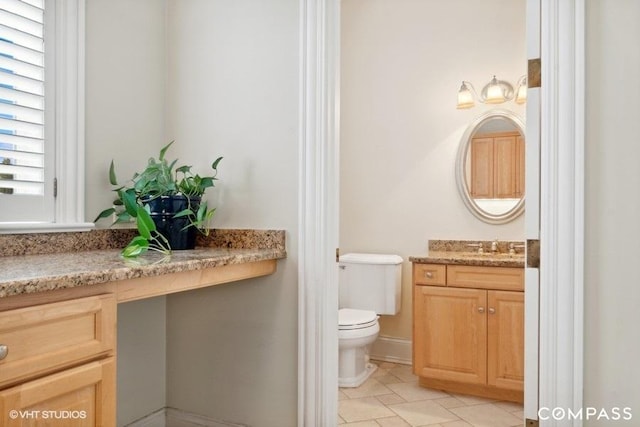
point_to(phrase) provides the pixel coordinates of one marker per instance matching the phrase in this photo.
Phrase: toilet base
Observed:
(360, 378)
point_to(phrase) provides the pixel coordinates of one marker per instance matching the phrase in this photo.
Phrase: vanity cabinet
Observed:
(57, 363)
(468, 329)
(497, 166)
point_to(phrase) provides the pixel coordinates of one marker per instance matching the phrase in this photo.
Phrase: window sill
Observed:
(42, 227)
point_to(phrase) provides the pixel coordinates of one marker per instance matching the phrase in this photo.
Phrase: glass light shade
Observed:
(465, 99)
(521, 96)
(494, 93)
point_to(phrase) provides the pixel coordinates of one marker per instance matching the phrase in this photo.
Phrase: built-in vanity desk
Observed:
(58, 313)
(468, 319)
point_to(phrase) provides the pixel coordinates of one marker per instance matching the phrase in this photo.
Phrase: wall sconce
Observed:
(494, 92)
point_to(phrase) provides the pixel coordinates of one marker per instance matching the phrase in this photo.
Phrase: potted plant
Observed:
(166, 203)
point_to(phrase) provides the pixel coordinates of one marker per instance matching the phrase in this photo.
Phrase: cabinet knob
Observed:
(492, 310)
(429, 275)
(480, 309)
(4, 350)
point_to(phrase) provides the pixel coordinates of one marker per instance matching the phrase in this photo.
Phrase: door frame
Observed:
(561, 209)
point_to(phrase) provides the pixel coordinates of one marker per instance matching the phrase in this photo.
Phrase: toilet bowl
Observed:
(357, 330)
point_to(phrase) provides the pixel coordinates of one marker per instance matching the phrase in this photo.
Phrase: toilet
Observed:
(369, 285)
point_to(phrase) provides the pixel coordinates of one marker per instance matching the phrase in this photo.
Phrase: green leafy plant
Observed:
(159, 178)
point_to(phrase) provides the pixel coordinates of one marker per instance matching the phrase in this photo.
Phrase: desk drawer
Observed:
(49, 337)
(430, 274)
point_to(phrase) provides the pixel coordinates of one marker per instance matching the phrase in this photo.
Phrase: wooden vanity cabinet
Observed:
(468, 330)
(59, 367)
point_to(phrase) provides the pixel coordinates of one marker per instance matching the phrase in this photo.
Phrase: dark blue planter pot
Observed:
(163, 209)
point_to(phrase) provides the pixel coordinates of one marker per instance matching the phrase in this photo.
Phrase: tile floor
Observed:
(393, 398)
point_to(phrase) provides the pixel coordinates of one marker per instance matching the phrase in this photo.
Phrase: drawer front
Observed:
(83, 396)
(499, 278)
(49, 337)
(430, 274)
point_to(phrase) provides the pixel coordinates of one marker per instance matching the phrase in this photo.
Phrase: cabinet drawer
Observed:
(500, 278)
(430, 274)
(80, 397)
(49, 337)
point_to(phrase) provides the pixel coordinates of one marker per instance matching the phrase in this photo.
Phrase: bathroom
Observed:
(401, 67)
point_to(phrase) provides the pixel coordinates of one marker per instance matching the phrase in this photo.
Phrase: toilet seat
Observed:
(349, 318)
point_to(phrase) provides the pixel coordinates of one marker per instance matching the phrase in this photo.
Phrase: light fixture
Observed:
(494, 92)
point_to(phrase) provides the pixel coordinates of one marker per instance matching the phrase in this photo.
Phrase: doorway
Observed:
(561, 26)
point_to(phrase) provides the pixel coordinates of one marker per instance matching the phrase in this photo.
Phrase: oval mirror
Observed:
(490, 167)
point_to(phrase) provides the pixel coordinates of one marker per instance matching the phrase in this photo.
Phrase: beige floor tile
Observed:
(389, 379)
(392, 422)
(380, 373)
(456, 424)
(510, 406)
(404, 372)
(390, 399)
(413, 392)
(366, 408)
(371, 387)
(386, 365)
(393, 398)
(473, 400)
(486, 415)
(450, 402)
(423, 413)
(362, 424)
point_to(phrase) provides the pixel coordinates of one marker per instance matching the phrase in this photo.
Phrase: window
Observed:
(41, 114)
(22, 112)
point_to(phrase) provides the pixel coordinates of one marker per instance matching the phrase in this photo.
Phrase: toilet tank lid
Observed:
(358, 258)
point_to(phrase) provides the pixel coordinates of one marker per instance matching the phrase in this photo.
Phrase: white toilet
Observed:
(369, 285)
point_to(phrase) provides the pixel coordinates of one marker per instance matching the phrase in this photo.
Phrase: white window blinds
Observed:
(22, 90)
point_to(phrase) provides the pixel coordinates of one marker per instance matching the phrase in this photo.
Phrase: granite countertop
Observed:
(38, 270)
(457, 252)
(37, 273)
(470, 258)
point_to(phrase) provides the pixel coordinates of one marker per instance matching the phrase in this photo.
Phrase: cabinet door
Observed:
(450, 327)
(505, 339)
(520, 162)
(78, 397)
(482, 168)
(506, 173)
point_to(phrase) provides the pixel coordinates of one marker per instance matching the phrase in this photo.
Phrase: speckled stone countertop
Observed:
(459, 253)
(44, 271)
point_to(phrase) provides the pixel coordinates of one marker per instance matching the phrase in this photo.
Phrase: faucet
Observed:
(513, 247)
(494, 246)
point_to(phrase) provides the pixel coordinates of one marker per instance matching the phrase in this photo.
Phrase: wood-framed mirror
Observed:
(490, 167)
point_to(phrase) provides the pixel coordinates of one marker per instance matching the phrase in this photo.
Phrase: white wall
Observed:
(125, 90)
(233, 92)
(221, 79)
(612, 294)
(402, 64)
(125, 63)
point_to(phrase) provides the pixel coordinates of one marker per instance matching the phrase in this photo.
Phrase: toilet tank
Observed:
(370, 282)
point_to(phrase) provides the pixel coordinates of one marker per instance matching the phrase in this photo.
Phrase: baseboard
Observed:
(155, 419)
(171, 417)
(389, 349)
